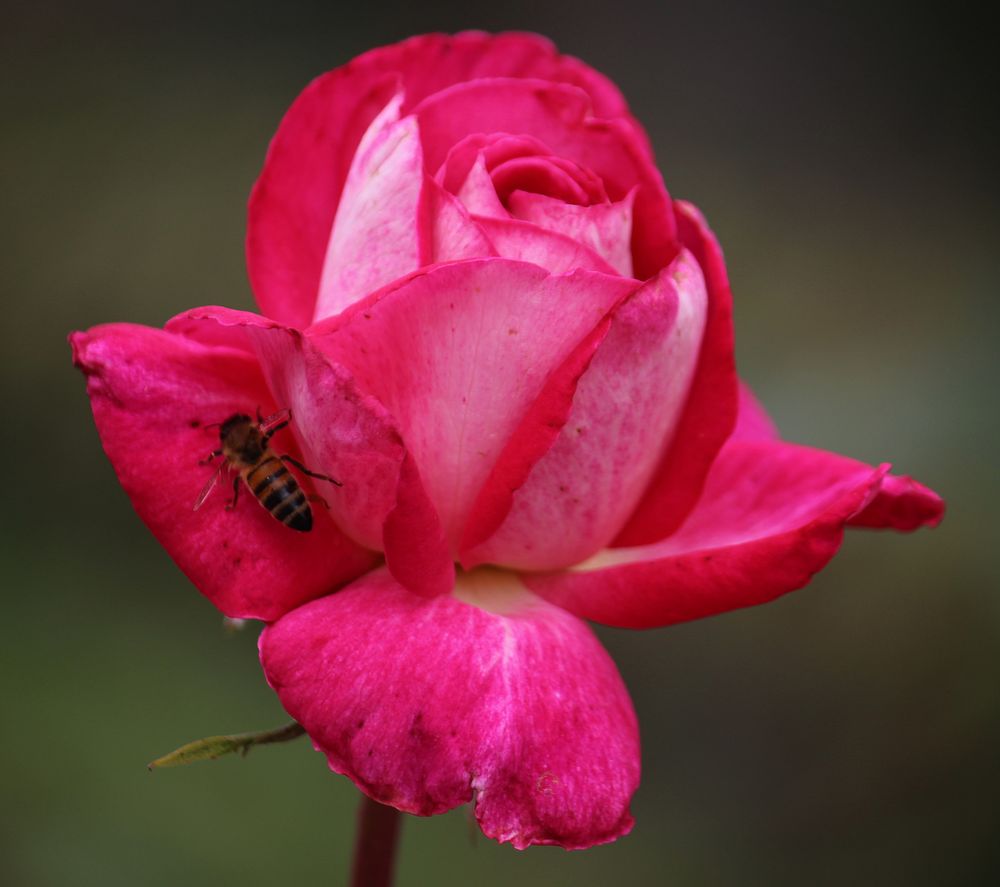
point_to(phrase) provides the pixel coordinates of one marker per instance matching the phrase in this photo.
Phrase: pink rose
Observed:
(494, 326)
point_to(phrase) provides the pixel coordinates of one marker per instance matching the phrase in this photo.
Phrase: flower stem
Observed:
(375, 846)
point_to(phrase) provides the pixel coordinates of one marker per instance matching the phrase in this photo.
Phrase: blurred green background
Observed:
(845, 734)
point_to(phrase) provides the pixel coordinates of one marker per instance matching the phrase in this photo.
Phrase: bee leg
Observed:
(236, 493)
(275, 430)
(286, 458)
(315, 497)
(213, 455)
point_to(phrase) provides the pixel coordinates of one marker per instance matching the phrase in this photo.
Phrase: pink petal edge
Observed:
(153, 394)
(577, 492)
(347, 433)
(711, 409)
(491, 695)
(559, 116)
(412, 345)
(376, 232)
(900, 503)
(295, 198)
(771, 516)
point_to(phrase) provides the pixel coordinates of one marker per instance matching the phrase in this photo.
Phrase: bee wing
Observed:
(212, 481)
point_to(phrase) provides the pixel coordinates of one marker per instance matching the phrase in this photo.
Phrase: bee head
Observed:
(233, 423)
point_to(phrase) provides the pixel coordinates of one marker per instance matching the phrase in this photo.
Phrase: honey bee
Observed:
(245, 444)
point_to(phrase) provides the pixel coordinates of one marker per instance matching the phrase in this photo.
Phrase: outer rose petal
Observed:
(710, 412)
(624, 409)
(348, 434)
(294, 201)
(458, 353)
(430, 704)
(152, 394)
(752, 421)
(559, 117)
(771, 516)
(900, 504)
(376, 232)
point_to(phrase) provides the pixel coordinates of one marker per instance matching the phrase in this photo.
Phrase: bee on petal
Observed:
(245, 446)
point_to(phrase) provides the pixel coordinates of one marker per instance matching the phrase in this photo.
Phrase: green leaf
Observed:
(212, 747)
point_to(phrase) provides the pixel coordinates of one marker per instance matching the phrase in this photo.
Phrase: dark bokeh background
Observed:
(845, 734)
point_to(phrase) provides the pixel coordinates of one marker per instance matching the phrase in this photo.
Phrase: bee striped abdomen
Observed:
(279, 492)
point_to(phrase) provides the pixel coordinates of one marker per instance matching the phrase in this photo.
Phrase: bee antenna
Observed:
(212, 425)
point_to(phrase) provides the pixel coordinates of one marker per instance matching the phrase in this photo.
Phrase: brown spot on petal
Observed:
(546, 783)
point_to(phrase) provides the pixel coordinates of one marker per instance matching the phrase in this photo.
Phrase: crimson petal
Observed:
(497, 698)
(153, 394)
(772, 514)
(294, 201)
(712, 403)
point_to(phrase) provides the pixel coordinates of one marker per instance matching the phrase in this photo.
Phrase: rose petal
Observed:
(432, 62)
(771, 516)
(710, 412)
(152, 394)
(348, 434)
(453, 233)
(900, 503)
(752, 420)
(624, 409)
(491, 149)
(538, 430)
(539, 175)
(292, 204)
(294, 200)
(496, 697)
(605, 228)
(376, 232)
(554, 252)
(558, 116)
(478, 195)
(458, 353)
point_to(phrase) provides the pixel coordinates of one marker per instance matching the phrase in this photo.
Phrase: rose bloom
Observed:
(490, 322)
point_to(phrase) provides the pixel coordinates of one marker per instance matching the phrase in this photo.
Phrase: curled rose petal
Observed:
(605, 227)
(900, 503)
(490, 695)
(478, 195)
(559, 116)
(294, 201)
(153, 394)
(772, 514)
(458, 353)
(555, 252)
(347, 433)
(453, 235)
(616, 423)
(711, 408)
(376, 232)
